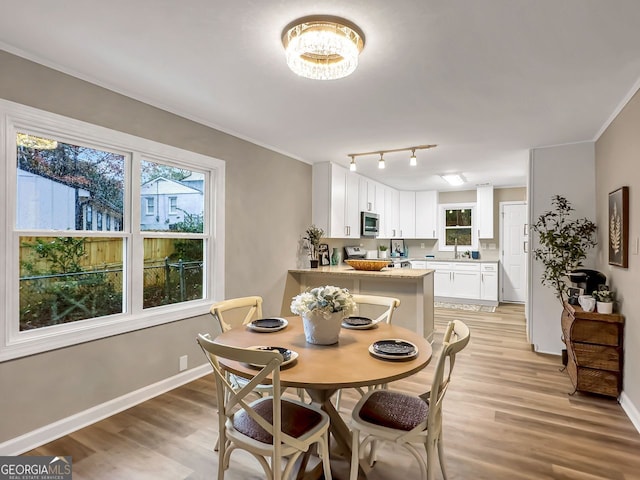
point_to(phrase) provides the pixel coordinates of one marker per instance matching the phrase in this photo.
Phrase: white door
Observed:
(514, 240)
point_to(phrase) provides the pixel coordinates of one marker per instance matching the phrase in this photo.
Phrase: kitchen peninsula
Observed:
(413, 287)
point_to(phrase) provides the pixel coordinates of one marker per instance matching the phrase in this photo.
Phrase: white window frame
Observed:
(173, 209)
(443, 207)
(149, 206)
(14, 343)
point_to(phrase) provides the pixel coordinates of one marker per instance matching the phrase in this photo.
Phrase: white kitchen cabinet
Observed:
(489, 281)
(389, 226)
(442, 278)
(426, 213)
(484, 211)
(418, 264)
(370, 199)
(407, 214)
(466, 280)
(463, 280)
(335, 201)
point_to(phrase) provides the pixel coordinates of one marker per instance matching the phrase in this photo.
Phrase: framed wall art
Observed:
(323, 254)
(619, 227)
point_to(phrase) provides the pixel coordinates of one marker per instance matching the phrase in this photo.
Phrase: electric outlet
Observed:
(422, 245)
(184, 360)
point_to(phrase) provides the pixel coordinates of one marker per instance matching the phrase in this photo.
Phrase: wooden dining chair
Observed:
(377, 306)
(241, 311)
(374, 305)
(406, 419)
(269, 428)
(235, 312)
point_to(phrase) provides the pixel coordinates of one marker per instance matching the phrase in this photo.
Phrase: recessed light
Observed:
(454, 179)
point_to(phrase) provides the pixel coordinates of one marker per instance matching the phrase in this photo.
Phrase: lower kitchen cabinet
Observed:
(489, 281)
(465, 280)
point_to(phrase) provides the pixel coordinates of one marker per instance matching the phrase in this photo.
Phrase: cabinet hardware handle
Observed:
(526, 229)
(525, 246)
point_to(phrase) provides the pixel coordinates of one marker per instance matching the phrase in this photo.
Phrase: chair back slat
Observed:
(251, 307)
(371, 301)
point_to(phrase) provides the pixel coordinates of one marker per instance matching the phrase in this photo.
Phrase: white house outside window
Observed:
(83, 260)
(173, 205)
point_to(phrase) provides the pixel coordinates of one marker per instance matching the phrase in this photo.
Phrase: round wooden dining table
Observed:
(321, 370)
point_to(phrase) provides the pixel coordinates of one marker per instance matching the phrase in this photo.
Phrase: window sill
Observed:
(61, 336)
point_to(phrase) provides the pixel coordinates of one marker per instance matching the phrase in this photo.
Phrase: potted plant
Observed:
(312, 238)
(604, 300)
(322, 310)
(563, 244)
(383, 251)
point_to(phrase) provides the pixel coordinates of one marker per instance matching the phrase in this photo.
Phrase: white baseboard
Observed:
(631, 410)
(48, 433)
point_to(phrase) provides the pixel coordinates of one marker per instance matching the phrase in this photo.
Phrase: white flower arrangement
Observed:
(326, 300)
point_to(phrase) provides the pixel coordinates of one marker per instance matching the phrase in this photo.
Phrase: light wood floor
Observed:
(507, 416)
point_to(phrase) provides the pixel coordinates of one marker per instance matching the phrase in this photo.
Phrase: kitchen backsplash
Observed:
(416, 248)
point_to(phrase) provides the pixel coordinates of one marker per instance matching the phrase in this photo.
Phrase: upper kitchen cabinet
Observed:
(371, 196)
(335, 205)
(390, 218)
(426, 214)
(407, 214)
(484, 211)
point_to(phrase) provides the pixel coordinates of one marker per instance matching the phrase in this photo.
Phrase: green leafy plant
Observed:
(606, 296)
(563, 244)
(312, 240)
(383, 248)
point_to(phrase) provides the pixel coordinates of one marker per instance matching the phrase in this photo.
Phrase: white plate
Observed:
(257, 328)
(410, 356)
(292, 358)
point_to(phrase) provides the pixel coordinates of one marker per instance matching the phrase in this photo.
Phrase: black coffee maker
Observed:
(588, 280)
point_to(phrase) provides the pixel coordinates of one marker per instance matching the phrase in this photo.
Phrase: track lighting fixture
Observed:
(413, 161)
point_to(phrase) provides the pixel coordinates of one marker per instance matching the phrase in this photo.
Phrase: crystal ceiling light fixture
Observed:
(32, 141)
(322, 47)
(381, 161)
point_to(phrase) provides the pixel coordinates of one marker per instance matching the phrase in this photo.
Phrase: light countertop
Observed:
(345, 270)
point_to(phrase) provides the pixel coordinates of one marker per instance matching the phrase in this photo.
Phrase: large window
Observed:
(458, 228)
(107, 233)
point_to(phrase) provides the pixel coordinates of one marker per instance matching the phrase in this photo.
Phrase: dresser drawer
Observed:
(467, 267)
(602, 333)
(597, 356)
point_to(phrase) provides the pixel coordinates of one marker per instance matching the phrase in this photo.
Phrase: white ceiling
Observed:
(486, 80)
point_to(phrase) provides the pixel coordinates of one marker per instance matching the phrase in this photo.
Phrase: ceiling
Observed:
(485, 80)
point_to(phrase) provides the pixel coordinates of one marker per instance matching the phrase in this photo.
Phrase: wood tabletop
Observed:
(345, 364)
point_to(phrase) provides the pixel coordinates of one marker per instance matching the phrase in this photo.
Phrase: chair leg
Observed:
(431, 454)
(355, 456)
(441, 456)
(326, 460)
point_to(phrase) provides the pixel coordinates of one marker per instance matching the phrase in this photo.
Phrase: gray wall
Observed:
(617, 153)
(567, 170)
(268, 207)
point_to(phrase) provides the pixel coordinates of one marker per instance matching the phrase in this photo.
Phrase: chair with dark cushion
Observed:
(270, 427)
(408, 420)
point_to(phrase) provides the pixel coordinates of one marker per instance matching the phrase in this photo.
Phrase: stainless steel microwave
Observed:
(369, 224)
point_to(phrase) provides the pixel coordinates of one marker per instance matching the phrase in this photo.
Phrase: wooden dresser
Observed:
(594, 350)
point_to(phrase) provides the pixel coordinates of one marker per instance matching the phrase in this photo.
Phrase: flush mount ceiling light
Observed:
(31, 141)
(322, 47)
(413, 161)
(454, 179)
